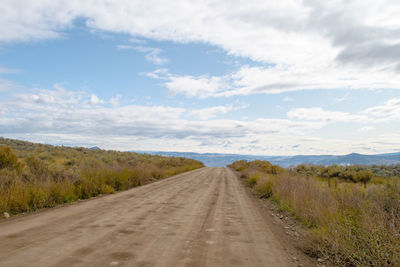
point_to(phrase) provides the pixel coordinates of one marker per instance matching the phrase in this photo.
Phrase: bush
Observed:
(34, 176)
(8, 159)
(252, 180)
(351, 224)
(264, 186)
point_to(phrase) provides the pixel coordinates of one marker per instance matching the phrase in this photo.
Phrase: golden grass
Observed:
(350, 224)
(35, 176)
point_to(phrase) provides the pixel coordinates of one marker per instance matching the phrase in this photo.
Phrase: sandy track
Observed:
(200, 218)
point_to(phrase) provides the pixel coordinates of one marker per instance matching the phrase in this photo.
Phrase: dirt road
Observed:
(200, 218)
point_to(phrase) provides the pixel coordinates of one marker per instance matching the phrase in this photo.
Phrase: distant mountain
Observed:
(216, 159)
(350, 159)
(95, 148)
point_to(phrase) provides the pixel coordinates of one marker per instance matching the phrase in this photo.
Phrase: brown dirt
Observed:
(204, 217)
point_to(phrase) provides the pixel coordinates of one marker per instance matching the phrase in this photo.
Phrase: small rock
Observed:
(294, 258)
(281, 217)
(6, 215)
(300, 265)
(320, 260)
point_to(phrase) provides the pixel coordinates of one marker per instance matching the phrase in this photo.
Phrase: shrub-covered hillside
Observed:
(353, 217)
(34, 176)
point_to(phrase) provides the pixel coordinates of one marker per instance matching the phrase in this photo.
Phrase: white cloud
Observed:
(125, 47)
(389, 111)
(151, 54)
(43, 98)
(366, 129)
(300, 45)
(94, 100)
(137, 41)
(308, 44)
(59, 115)
(6, 85)
(65, 117)
(195, 86)
(318, 114)
(273, 80)
(4, 70)
(341, 99)
(211, 112)
(288, 99)
(115, 100)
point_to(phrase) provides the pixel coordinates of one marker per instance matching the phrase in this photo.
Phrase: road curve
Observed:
(199, 218)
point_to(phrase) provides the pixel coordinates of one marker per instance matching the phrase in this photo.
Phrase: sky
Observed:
(249, 77)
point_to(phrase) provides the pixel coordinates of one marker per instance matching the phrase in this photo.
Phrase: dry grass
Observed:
(35, 176)
(350, 224)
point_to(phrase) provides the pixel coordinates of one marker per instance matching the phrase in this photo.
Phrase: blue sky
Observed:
(301, 77)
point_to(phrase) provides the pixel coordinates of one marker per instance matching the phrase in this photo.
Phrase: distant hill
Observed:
(216, 159)
(350, 159)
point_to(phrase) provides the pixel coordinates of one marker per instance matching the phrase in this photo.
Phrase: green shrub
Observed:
(252, 180)
(8, 159)
(39, 197)
(106, 189)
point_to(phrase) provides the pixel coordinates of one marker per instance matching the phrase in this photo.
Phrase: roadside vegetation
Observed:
(35, 176)
(352, 213)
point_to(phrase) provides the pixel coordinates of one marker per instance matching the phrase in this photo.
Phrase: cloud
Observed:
(390, 110)
(61, 116)
(6, 85)
(306, 45)
(211, 112)
(191, 86)
(94, 100)
(136, 40)
(272, 80)
(370, 37)
(366, 129)
(151, 54)
(4, 70)
(297, 45)
(115, 100)
(125, 47)
(318, 114)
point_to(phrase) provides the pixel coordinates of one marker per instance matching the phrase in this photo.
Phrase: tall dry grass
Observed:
(34, 176)
(349, 224)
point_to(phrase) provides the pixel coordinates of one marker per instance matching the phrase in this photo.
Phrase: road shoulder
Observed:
(285, 228)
